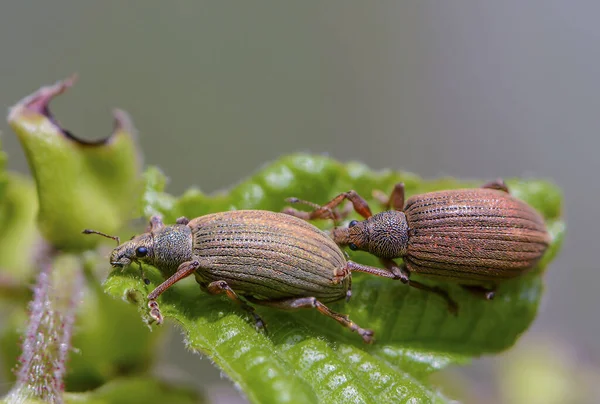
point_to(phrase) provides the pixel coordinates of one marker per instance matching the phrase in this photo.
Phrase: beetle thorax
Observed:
(172, 247)
(387, 234)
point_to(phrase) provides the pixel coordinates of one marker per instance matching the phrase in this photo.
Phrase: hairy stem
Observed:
(47, 342)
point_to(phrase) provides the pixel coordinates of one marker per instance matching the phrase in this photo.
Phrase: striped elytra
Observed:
(251, 256)
(473, 234)
(268, 255)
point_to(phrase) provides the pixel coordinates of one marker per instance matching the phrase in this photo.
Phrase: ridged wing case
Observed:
(269, 255)
(473, 234)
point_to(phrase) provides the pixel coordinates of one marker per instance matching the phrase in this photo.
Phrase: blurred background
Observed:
(484, 90)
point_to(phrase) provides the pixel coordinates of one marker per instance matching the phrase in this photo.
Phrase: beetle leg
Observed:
(498, 184)
(356, 267)
(218, 287)
(182, 220)
(382, 198)
(339, 274)
(334, 215)
(480, 291)
(312, 302)
(349, 291)
(396, 199)
(358, 202)
(321, 213)
(403, 274)
(146, 280)
(326, 211)
(343, 213)
(184, 270)
(156, 223)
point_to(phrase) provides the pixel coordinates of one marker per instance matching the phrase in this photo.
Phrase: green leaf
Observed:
(309, 358)
(80, 184)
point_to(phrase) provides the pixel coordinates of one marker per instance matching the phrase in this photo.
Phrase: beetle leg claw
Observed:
(155, 312)
(259, 323)
(401, 272)
(367, 335)
(218, 287)
(480, 291)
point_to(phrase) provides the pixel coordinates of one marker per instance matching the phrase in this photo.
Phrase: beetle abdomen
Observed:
(269, 255)
(475, 234)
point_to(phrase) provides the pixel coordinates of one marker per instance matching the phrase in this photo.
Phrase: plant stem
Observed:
(47, 342)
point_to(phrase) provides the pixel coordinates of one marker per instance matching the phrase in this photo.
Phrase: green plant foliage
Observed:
(307, 357)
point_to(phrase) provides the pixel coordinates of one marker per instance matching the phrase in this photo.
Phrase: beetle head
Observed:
(138, 249)
(355, 236)
(384, 235)
(164, 247)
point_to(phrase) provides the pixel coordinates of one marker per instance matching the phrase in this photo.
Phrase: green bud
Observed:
(80, 184)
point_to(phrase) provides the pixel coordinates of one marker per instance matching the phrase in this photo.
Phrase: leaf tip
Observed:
(38, 101)
(123, 122)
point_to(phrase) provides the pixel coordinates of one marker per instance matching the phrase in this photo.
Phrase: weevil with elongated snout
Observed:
(476, 237)
(252, 256)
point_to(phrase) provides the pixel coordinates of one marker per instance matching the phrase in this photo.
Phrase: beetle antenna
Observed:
(116, 238)
(303, 202)
(331, 214)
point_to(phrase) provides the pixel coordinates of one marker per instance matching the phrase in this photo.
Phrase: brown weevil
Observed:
(476, 237)
(252, 256)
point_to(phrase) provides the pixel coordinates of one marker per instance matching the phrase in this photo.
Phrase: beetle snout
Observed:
(119, 258)
(341, 236)
(120, 262)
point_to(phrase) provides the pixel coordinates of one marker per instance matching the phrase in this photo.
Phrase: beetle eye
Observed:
(352, 246)
(352, 223)
(141, 252)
